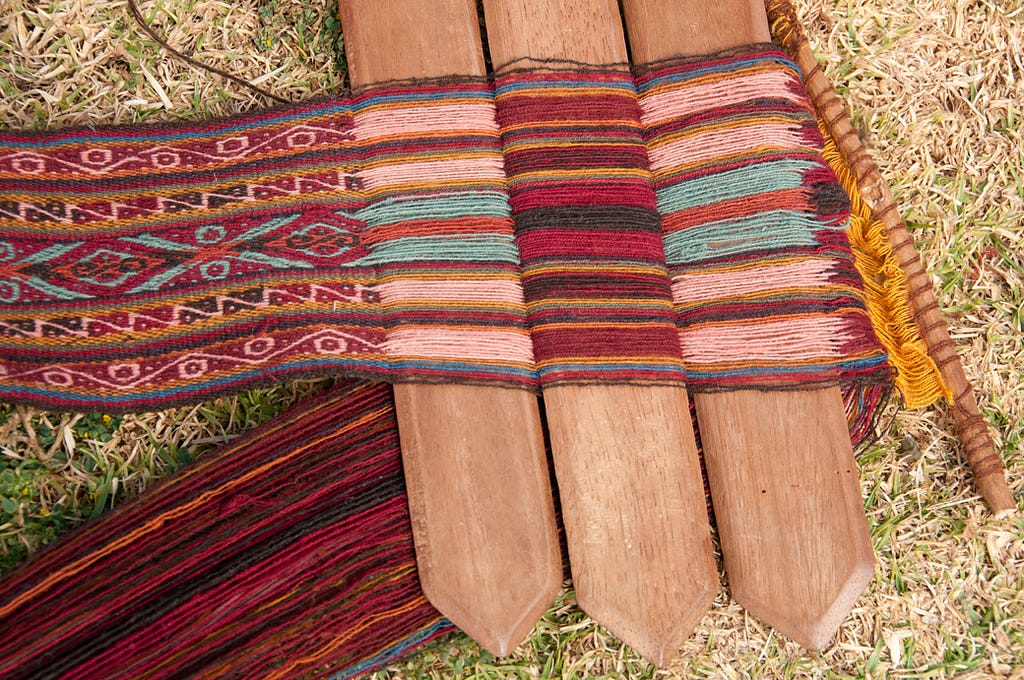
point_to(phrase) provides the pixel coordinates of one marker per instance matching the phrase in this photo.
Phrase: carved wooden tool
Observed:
(625, 457)
(478, 484)
(783, 479)
(973, 430)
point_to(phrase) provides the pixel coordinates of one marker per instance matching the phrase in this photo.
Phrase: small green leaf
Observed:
(102, 494)
(182, 455)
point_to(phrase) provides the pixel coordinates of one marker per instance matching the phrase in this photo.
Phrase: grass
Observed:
(937, 86)
(57, 470)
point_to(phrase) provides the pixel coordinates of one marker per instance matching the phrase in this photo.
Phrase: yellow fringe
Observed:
(888, 298)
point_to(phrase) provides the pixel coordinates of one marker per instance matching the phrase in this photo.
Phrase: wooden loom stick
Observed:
(783, 479)
(476, 473)
(975, 437)
(625, 456)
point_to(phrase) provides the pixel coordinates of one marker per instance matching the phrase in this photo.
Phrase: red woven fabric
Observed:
(597, 292)
(287, 553)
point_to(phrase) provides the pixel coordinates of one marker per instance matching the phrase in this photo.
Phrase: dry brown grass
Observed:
(938, 88)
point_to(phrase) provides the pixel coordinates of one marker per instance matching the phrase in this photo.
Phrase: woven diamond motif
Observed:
(322, 234)
(108, 268)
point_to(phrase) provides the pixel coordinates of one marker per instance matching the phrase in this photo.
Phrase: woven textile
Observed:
(587, 227)
(765, 289)
(287, 553)
(368, 236)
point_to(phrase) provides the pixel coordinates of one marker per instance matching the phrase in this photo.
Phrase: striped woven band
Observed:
(368, 236)
(287, 553)
(587, 227)
(765, 289)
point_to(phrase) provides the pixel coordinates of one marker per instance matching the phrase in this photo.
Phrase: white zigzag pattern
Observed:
(291, 186)
(189, 366)
(321, 136)
(143, 322)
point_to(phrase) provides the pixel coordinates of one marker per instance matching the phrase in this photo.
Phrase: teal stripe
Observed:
(51, 253)
(749, 180)
(572, 80)
(775, 230)
(492, 249)
(159, 243)
(468, 90)
(480, 203)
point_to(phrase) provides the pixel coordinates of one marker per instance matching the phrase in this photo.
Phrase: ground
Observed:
(936, 88)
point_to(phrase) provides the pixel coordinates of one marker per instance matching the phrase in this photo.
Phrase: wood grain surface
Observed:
(973, 430)
(784, 483)
(625, 457)
(476, 473)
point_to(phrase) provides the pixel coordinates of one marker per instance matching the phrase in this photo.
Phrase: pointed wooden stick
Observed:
(475, 468)
(975, 435)
(625, 457)
(783, 479)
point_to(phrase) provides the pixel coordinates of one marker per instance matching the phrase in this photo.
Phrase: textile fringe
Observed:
(287, 553)
(763, 280)
(885, 284)
(886, 293)
(973, 429)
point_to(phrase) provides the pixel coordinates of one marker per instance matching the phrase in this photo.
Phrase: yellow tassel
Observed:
(885, 286)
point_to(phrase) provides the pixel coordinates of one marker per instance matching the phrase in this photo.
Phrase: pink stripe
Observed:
(785, 341)
(661, 106)
(452, 119)
(725, 143)
(465, 344)
(405, 290)
(701, 287)
(490, 168)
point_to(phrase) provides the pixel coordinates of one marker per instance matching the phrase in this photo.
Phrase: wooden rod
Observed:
(975, 436)
(625, 456)
(477, 477)
(780, 464)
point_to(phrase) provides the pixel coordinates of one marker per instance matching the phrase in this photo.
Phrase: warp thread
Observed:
(886, 291)
(587, 227)
(367, 236)
(763, 280)
(286, 553)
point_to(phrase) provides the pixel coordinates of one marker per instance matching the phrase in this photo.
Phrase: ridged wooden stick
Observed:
(477, 477)
(973, 430)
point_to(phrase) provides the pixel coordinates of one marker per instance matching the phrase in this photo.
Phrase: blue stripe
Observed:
(669, 370)
(789, 369)
(239, 380)
(578, 81)
(394, 651)
(165, 135)
(479, 92)
(444, 366)
(690, 74)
